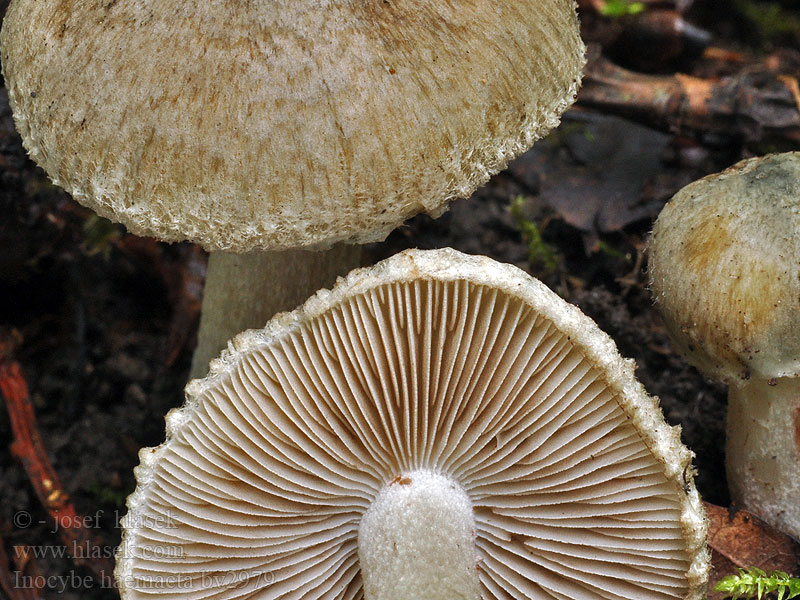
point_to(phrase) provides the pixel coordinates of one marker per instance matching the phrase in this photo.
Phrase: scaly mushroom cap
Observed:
(437, 426)
(725, 269)
(284, 123)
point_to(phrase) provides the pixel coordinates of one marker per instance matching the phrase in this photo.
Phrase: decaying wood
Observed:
(29, 449)
(757, 105)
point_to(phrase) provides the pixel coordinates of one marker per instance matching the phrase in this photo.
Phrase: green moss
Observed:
(768, 19)
(99, 233)
(540, 253)
(755, 583)
(621, 8)
(106, 495)
(561, 134)
(607, 249)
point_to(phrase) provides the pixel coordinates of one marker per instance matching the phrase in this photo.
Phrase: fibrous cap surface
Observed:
(244, 125)
(431, 366)
(725, 269)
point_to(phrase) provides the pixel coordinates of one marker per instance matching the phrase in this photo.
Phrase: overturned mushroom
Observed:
(287, 124)
(437, 426)
(725, 274)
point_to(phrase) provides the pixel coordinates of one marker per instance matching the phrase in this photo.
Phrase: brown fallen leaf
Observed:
(740, 539)
(598, 173)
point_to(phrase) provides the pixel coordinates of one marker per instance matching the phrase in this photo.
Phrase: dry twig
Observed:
(28, 448)
(754, 106)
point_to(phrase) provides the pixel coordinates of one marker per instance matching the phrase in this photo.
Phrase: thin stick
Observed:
(28, 448)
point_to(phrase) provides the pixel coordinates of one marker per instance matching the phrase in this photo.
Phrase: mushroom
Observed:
(437, 426)
(259, 126)
(725, 275)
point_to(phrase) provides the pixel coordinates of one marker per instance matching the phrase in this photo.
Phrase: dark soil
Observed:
(95, 318)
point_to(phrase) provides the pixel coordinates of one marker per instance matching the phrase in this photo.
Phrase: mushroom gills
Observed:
(438, 426)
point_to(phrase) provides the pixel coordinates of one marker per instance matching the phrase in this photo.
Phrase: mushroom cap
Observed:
(724, 263)
(432, 365)
(286, 123)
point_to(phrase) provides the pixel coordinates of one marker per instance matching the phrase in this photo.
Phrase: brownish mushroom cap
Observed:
(725, 273)
(286, 123)
(437, 426)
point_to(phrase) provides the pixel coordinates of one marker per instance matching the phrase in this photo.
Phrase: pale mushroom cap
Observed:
(284, 123)
(440, 372)
(725, 269)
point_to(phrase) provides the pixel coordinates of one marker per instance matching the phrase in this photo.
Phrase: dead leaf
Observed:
(740, 539)
(595, 172)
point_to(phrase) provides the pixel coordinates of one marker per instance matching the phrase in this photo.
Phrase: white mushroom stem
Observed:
(244, 291)
(763, 449)
(417, 540)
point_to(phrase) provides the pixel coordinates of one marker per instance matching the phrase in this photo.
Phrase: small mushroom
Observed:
(437, 426)
(256, 126)
(725, 275)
